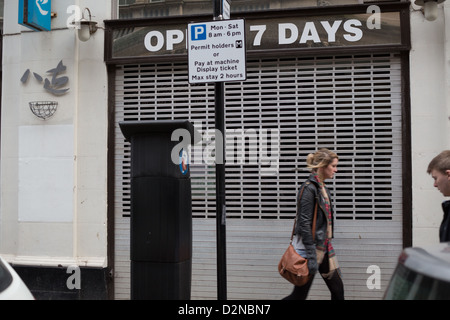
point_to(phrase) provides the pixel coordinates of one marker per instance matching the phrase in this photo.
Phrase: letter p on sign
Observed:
(198, 32)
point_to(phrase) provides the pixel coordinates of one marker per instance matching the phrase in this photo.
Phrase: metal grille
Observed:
(287, 108)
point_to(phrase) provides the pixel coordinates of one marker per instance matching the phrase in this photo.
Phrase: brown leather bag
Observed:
(292, 266)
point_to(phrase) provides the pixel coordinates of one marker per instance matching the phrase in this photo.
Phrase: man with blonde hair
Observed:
(439, 168)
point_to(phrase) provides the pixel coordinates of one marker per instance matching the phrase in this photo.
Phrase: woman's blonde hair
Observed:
(322, 158)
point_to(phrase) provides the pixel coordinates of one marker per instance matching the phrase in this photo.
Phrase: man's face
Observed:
(442, 181)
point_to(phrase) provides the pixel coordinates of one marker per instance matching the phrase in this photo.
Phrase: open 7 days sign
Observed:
(216, 51)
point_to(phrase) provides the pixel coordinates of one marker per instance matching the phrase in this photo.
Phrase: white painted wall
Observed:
(430, 112)
(53, 207)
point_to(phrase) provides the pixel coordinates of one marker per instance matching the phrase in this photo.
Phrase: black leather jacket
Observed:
(444, 230)
(305, 211)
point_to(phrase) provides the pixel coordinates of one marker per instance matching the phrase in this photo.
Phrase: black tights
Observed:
(335, 285)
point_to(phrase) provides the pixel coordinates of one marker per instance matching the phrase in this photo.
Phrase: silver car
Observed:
(11, 285)
(421, 274)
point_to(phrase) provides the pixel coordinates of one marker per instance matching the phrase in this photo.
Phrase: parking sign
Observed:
(198, 32)
(216, 51)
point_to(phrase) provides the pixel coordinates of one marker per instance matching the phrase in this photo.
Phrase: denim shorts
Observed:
(301, 252)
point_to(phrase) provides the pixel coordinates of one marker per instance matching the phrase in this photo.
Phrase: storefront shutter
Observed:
(287, 108)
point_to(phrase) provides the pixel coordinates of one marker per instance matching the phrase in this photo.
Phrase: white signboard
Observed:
(216, 51)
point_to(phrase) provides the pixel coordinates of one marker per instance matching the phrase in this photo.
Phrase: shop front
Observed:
(334, 77)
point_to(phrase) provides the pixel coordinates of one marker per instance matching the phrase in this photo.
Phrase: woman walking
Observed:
(319, 251)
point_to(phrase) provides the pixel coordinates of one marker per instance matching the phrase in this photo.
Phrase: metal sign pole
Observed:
(220, 177)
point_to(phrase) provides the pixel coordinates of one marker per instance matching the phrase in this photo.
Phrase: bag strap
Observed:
(314, 217)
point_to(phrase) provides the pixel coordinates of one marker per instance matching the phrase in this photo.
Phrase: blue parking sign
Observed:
(198, 32)
(35, 14)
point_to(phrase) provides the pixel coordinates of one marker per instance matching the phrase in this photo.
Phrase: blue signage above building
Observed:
(35, 14)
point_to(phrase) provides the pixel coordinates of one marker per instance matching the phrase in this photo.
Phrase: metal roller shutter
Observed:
(287, 108)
